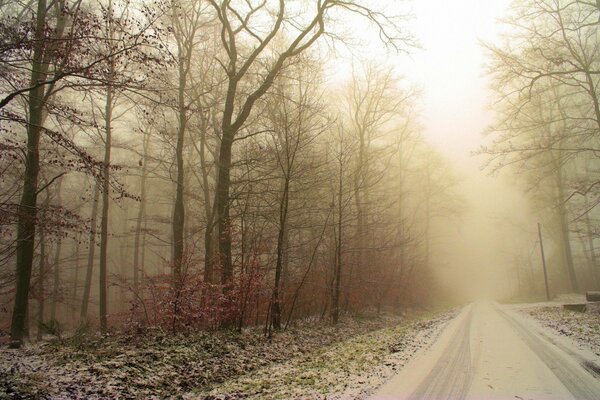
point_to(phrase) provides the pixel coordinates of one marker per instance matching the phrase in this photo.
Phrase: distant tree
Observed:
(295, 119)
(373, 108)
(186, 20)
(43, 56)
(257, 61)
(546, 76)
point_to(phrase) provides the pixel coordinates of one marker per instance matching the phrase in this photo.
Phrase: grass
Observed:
(317, 358)
(349, 367)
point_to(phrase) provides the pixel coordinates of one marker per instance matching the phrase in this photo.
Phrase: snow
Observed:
(348, 370)
(582, 329)
(162, 365)
(407, 381)
(484, 351)
(506, 366)
(495, 352)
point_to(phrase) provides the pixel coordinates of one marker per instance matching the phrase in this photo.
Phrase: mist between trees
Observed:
(185, 165)
(545, 75)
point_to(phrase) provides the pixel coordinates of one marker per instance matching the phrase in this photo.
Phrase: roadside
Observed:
(583, 328)
(307, 360)
(352, 368)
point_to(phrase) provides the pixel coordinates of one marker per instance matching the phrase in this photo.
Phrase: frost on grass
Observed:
(164, 366)
(583, 328)
(349, 369)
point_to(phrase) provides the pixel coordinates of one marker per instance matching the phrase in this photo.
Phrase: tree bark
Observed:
(179, 207)
(76, 275)
(105, 206)
(140, 218)
(91, 251)
(283, 214)
(56, 264)
(337, 276)
(26, 222)
(41, 288)
(566, 236)
(222, 207)
(592, 250)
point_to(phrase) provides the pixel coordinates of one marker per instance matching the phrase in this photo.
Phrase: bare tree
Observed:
(241, 61)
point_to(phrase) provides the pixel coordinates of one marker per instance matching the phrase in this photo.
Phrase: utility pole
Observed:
(543, 261)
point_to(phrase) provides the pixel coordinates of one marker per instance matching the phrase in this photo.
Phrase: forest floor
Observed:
(310, 360)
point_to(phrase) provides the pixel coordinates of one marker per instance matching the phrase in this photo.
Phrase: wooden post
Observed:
(543, 261)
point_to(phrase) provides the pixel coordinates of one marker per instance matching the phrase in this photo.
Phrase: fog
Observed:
(498, 222)
(475, 256)
(197, 166)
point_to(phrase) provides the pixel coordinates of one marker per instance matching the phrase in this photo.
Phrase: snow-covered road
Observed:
(491, 352)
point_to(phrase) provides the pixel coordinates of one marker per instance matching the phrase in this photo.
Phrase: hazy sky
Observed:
(455, 111)
(450, 69)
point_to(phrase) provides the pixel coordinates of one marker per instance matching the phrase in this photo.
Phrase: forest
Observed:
(186, 166)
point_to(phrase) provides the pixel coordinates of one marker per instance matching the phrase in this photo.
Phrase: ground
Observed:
(484, 350)
(311, 359)
(582, 328)
(495, 351)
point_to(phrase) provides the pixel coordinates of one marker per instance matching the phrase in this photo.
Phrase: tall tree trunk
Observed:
(359, 189)
(76, 274)
(28, 205)
(208, 208)
(140, 218)
(56, 265)
(427, 233)
(91, 251)
(108, 116)
(41, 289)
(283, 211)
(222, 208)
(143, 257)
(337, 275)
(565, 232)
(592, 250)
(103, 295)
(184, 35)
(179, 207)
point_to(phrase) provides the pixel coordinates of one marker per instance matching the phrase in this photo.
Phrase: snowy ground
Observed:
(494, 352)
(582, 328)
(351, 369)
(316, 360)
(487, 350)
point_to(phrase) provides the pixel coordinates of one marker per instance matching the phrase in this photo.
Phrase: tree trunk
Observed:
(76, 275)
(90, 262)
(140, 218)
(337, 275)
(179, 207)
(565, 233)
(592, 250)
(283, 211)
(26, 222)
(222, 208)
(103, 295)
(42, 278)
(208, 208)
(56, 265)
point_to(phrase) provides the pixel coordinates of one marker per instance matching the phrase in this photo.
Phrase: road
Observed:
(490, 352)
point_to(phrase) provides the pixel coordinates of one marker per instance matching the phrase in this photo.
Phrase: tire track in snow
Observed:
(450, 378)
(578, 381)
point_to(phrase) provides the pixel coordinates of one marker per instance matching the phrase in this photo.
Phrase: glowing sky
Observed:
(451, 70)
